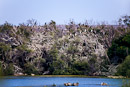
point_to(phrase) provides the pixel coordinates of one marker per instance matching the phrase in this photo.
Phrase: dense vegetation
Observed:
(72, 49)
(120, 49)
(124, 68)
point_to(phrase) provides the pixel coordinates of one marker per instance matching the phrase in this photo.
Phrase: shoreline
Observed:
(80, 76)
(84, 76)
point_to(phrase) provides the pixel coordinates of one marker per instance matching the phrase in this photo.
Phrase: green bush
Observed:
(29, 68)
(59, 72)
(66, 40)
(4, 47)
(75, 68)
(9, 70)
(4, 51)
(24, 31)
(72, 49)
(120, 49)
(80, 68)
(76, 41)
(125, 20)
(53, 53)
(1, 71)
(6, 27)
(24, 48)
(68, 71)
(124, 68)
(57, 67)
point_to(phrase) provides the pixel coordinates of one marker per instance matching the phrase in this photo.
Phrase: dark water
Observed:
(59, 81)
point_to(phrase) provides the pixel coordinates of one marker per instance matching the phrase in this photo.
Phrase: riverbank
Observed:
(116, 77)
(70, 76)
(83, 76)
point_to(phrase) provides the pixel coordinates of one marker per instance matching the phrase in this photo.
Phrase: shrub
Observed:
(57, 67)
(1, 73)
(124, 68)
(9, 70)
(40, 63)
(76, 41)
(80, 68)
(24, 48)
(72, 49)
(53, 53)
(97, 30)
(59, 72)
(29, 68)
(4, 51)
(66, 40)
(4, 47)
(120, 49)
(24, 31)
(125, 20)
(6, 28)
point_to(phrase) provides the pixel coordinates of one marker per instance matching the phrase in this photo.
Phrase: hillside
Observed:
(58, 49)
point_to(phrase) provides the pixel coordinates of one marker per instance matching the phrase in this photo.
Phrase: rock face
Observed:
(49, 48)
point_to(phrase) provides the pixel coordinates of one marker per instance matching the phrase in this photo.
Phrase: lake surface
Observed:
(39, 81)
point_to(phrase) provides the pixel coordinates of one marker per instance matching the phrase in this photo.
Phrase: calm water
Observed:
(59, 81)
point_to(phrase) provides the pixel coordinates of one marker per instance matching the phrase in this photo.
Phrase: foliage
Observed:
(24, 31)
(53, 24)
(77, 68)
(4, 51)
(80, 68)
(57, 67)
(72, 49)
(124, 68)
(29, 69)
(71, 58)
(9, 70)
(76, 41)
(40, 63)
(4, 47)
(1, 70)
(6, 27)
(53, 53)
(39, 59)
(66, 40)
(92, 65)
(120, 48)
(125, 20)
(58, 72)
(24, 48)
